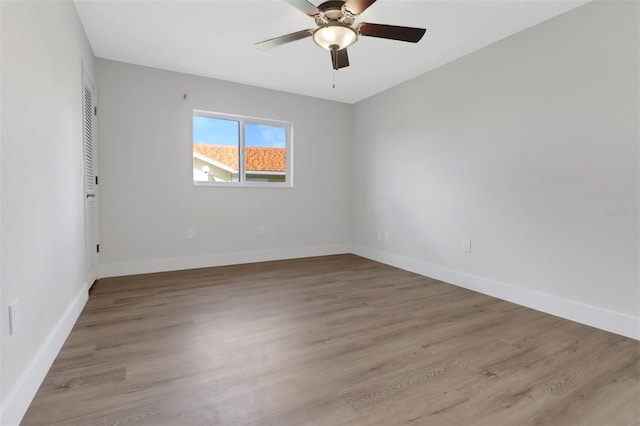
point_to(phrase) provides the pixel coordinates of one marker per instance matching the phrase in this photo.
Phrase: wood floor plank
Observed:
(328, 341)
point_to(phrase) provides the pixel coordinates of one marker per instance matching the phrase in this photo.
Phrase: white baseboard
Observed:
(206, 261)
(16, 404)
(20, 397)
(614, 322)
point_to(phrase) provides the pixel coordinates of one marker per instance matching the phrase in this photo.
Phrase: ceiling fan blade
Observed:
(391, 32)
(339, 59)
(273, 42)
(304, 6)
(356, 7)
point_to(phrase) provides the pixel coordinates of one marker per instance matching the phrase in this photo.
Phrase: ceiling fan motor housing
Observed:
(334, 12)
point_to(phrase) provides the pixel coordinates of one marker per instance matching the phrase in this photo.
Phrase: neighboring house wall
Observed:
(258, 177)
(145, 217)
(43, 249)
(522, 147)
(215, 172)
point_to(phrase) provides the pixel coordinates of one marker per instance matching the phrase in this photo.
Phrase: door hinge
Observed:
(97, 248)
(95, 110)
(96, 180)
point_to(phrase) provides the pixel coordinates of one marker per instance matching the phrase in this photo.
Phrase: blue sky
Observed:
(215, 131)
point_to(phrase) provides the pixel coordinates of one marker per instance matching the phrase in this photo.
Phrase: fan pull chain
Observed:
(334, 79)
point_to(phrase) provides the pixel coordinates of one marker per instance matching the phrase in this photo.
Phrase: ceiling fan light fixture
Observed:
(331, 35)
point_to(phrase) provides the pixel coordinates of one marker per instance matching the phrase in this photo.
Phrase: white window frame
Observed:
(242, 120)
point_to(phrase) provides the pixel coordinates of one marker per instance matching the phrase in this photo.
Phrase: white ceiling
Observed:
(214, 38)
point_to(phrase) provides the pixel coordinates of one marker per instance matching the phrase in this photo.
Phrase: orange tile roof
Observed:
(257, 158)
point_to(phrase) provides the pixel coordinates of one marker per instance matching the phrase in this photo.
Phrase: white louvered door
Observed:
(90, 181)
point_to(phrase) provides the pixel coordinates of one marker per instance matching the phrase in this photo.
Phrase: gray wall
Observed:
(147, 197)
(43, 267)
(524, 147)
(528, 147)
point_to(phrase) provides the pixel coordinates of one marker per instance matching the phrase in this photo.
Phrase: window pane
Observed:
(215, 149)
(265, 153)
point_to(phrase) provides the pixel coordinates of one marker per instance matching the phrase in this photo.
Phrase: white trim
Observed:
(594, 316)
(20, 397)
(206, 261)
(242, 121)
(245, 184)
(214, 163)
(17, 403)
(243, 118)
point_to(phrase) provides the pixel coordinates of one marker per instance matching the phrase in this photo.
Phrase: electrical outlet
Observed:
(191, 234)
(14, 318)
(260, 229)
(466, 245)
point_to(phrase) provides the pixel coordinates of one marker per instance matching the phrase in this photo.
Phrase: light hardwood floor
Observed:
(336, 340)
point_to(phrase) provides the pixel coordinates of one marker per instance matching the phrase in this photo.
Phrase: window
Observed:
(231, 150)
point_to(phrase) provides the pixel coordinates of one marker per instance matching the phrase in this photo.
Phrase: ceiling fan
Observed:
(336, 30)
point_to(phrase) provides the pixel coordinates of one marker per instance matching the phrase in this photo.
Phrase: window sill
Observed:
(244, 185)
